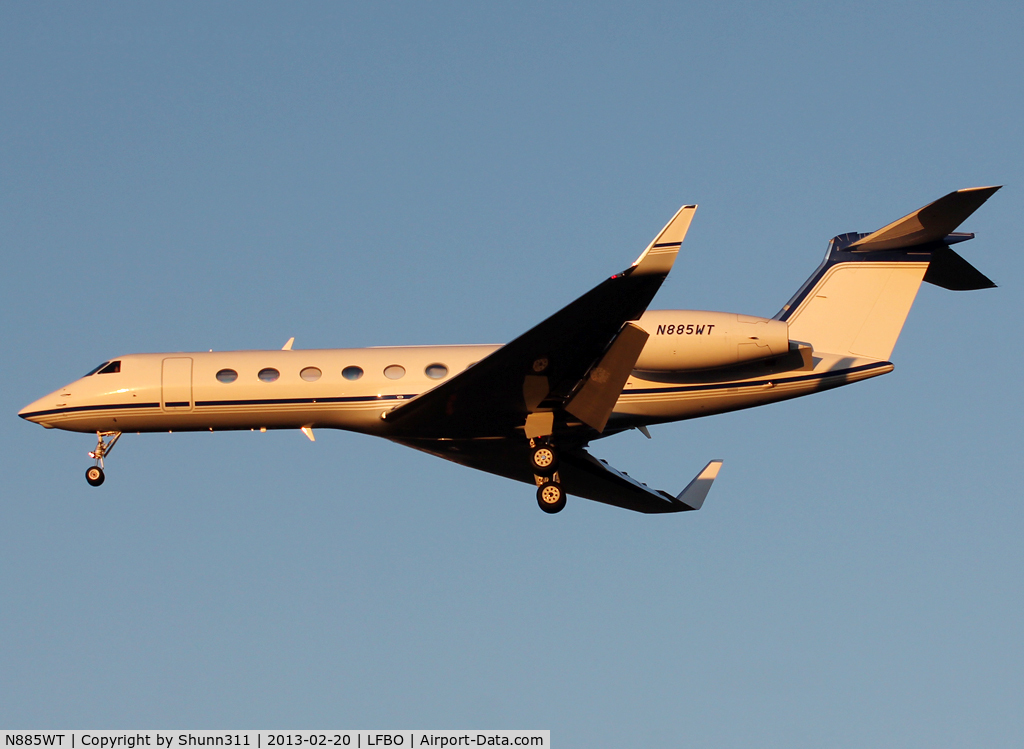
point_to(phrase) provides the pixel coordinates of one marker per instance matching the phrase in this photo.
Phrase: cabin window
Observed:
(352, 373)
(436, 371)
(97, 369)
(113, 368)
(394, 372)
(310, 374)
(269, 374)
(227, 375)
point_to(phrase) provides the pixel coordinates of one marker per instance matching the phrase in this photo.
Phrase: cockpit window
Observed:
(113, 368)
(91, 372)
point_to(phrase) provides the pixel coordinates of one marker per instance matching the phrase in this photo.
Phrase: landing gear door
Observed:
(176, 384)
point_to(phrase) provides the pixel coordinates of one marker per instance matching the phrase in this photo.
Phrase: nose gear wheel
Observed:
(105, 442)
(94, 475)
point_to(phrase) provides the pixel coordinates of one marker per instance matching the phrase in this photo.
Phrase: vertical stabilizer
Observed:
(856, 302)
(858, 308)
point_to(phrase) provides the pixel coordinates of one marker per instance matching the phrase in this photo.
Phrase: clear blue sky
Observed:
(194, 176)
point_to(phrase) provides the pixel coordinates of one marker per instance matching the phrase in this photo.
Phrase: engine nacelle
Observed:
(691, 339)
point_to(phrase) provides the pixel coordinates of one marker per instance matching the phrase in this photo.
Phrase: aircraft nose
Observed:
(29, 412)
(38, 411)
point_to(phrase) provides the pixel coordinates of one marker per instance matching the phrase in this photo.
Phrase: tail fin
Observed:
(859, 297)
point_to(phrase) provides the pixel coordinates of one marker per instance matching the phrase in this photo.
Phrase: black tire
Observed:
(94, 476)
(551, 497)
(543, 460)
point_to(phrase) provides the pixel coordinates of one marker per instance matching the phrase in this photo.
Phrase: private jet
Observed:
(528, 410)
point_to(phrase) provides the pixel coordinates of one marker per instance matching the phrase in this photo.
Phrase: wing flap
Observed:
(593, 402)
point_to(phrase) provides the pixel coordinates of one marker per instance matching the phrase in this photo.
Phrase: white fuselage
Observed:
(181, 391)
(527, 410)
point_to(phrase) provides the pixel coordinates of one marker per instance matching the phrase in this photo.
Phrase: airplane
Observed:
(528, 410)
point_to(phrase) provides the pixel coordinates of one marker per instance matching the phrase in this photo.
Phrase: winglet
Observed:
(697, 490)
(661, 252)
(288, 346)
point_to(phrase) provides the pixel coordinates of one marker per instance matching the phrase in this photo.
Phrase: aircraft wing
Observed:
(539, 370)
(586, 476)
(581, 474)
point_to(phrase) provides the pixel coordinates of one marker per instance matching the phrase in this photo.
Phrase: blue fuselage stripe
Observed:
(756, 383)
(201, 404)
(73, 409)
(300, 401)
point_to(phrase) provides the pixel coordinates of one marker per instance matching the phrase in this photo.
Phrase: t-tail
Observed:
(857, 300)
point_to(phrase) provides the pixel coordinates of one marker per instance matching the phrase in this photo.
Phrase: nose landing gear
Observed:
(94, 475)
(105, 442)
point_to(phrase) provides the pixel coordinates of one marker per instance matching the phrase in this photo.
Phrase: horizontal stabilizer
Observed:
(929, 224)
(950, 271)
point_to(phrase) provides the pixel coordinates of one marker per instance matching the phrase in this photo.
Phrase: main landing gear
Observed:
(551, 497)
(105, 442)
(543, 458)
(544, 462)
